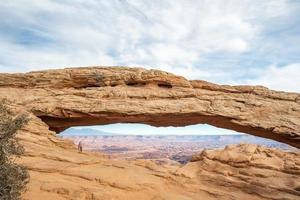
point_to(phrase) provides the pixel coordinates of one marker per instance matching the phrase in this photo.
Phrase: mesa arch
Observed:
(69, 97)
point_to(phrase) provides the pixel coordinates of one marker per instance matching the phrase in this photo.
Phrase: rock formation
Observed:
(264, 172)
(58, 99)
(94, 96)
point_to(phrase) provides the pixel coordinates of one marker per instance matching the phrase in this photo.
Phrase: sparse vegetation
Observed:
(13, 177)
(98, 77)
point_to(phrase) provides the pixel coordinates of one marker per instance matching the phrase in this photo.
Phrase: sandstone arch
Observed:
(103, 95)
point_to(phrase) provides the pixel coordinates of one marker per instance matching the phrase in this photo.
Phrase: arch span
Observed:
(103, 95)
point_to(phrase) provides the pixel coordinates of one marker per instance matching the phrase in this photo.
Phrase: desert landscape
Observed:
(150, 100)
(103, 95)
(162, 149)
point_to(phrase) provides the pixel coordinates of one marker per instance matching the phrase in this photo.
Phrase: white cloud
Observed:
(197, 39)
(285, 78)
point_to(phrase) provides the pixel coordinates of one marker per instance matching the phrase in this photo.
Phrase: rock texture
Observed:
(247, 172)
(252, 169)
(98, 95)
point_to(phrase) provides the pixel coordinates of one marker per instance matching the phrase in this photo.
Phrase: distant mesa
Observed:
(85, 132)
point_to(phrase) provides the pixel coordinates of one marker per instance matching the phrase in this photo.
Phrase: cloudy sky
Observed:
(228, 42)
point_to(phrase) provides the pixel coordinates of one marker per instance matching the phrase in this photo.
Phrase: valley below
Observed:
(162, 149)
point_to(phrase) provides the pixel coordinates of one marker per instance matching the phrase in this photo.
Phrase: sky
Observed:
(227, 42)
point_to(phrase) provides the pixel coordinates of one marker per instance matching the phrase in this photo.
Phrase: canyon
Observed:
(162, 149)
(56, 100)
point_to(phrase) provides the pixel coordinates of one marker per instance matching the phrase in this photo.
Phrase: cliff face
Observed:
(95, 96)
(58, 99)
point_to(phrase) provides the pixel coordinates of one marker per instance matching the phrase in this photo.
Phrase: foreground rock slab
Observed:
(102, 95)
(266, 172)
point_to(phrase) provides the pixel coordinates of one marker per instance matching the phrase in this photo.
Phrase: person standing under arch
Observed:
(80, 146)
